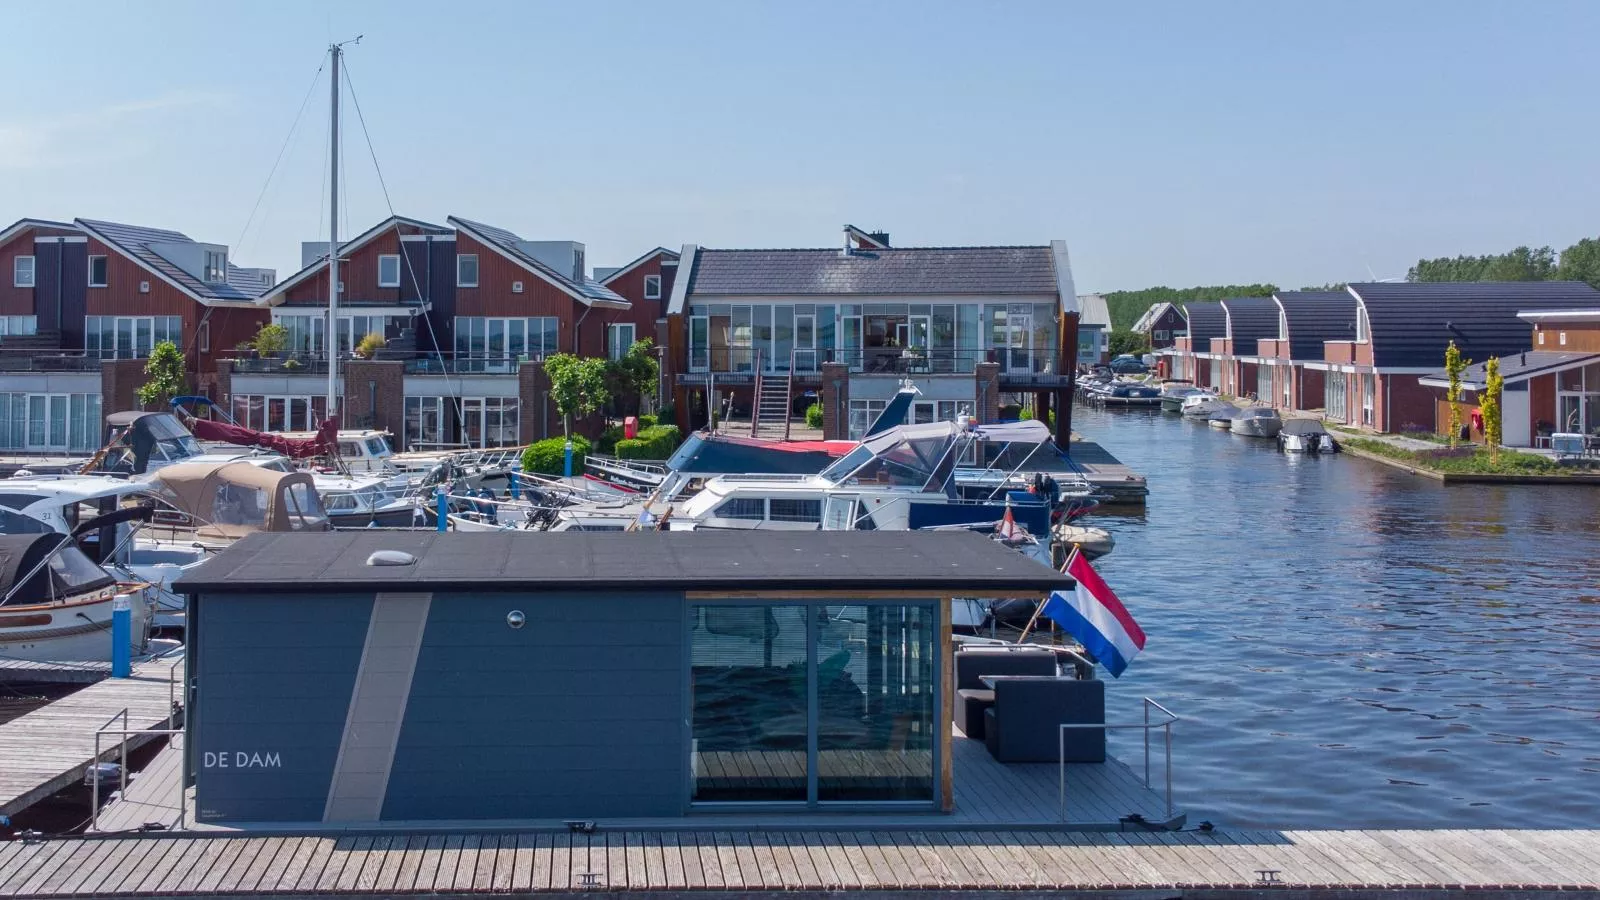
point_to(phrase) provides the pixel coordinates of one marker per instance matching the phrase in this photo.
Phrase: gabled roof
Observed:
(659, 251)
(868, 239)
(1413, 322)
(1148, 319)
(1314, 317)
(588, 291)
(1092, 310)
(133, 241)
(908, 270)
(1206, 321)
(11, 230)
(1250, 319)
(1517, 367)
(354, 244)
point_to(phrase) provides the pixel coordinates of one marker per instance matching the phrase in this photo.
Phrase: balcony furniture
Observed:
(973, 698)
(1023, 723)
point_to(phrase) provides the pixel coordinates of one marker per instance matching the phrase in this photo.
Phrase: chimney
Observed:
(847, 244)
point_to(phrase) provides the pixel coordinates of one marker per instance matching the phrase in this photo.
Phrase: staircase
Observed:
(769, 417)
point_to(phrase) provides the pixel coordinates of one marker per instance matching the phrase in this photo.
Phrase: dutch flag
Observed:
(1095, 616)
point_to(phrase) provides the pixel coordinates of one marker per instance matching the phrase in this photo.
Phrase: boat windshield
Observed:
(908, 462)
(239, 504)
(71, 573)
(173, 442)
(305, 511)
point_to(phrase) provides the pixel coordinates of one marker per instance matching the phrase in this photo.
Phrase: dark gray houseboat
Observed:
(359, 677)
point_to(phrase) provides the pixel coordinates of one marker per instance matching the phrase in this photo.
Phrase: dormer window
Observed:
(652, 287)
(216, 270)
(388, 270)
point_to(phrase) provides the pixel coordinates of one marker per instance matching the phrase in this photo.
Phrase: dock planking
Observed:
(1108, 474)
(50, 748)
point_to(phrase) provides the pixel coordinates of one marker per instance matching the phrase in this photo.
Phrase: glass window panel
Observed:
(749, 709)
(57, 438)
(875, 695)
(36, 417)
(750, 508)
(496, 346)
(143, 336)
(550, 328)
(825, 329)
(517, 338)
(77, 427)
(794, 510)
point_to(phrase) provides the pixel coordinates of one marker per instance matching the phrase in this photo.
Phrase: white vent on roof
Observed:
(516, 287)
(144, 287)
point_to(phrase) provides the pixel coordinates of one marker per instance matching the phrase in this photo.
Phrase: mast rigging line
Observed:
(458, 407)
(294, 126)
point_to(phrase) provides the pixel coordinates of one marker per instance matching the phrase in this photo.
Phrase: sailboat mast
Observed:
(332, 335)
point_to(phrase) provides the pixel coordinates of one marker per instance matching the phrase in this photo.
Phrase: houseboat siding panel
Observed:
(272, 685)
(578, 714)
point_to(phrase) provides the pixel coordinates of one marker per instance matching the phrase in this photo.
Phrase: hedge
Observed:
(548, 457)
(814, 415)
(655, 442)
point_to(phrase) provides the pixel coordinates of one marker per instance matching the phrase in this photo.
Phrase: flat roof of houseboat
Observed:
(955, 562)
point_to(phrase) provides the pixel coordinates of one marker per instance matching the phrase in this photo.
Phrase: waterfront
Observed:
(1354, 647)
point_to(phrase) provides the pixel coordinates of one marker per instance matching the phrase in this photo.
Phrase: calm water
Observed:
(1351, 646)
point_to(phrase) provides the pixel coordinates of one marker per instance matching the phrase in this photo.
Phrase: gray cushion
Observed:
(973, 665)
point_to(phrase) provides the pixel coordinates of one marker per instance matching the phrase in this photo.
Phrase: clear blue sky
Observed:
(1168, 143)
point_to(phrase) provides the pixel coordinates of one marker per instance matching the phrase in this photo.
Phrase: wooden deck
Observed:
(152, 796)
(51, 747)
(1344, 864)
(1108, 474)
(22, 671)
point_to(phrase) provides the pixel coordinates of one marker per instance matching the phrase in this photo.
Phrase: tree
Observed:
(1127, 306)
(1129, 342)
(577, 385)
(272, 338)
(1493, 383)
(165, 368)
(1521, 264)
(1454, 365)
(636, 375)
(1581, 262)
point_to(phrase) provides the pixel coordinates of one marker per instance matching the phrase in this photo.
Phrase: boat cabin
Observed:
(226, 501)
(361, 677)
(139, 442)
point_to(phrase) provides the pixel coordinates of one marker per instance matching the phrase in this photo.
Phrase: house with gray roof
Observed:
(852, 322)
(1094, 330)
(1163, 323)
(84, 303)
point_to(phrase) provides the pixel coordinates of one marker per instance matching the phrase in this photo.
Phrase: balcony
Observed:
(1019, 366)
(416, 362)
(48, 361)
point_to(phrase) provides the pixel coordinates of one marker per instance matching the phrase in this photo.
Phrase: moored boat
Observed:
(1222, 415)
(1306, 436)
(56, 604)
(1256, 421)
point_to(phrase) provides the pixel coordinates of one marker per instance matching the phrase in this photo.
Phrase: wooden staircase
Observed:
(769, 416)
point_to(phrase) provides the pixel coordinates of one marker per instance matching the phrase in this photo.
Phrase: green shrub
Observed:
(648, 422)
(1469, 459)
(608, 439)
(655, 442)
(548, 457)
(666, 415)
(814, 415)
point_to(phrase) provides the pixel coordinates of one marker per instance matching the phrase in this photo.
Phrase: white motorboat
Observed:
(1306, 436)
(56, 604)
(1256, 421)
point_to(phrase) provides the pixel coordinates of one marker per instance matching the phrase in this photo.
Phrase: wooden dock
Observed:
(1266, 864)
(1108, 474)
(50, 748)
(22, 671)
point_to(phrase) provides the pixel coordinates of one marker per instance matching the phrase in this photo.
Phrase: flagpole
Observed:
(1040, 608)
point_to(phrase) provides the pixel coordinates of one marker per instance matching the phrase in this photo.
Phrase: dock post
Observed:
(121, 637)
(444, 509)
(569, 457)
(516, 492)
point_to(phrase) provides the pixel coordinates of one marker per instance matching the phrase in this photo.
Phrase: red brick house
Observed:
(83, 304)
(645, 283)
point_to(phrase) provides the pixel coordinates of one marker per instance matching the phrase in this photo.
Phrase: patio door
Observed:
(1012, 336)
(805, 342)
(47, 422)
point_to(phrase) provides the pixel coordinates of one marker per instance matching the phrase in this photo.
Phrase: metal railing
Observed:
(1026, 362)
(123, 734)
(18, 360)
(1146, 726)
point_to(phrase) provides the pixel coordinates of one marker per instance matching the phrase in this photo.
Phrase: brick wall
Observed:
(374, 395)
(120, 380)
(835, 402)
(532, 390)
(987, 378)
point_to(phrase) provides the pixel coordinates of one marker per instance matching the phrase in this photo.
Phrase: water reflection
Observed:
(1352, 646)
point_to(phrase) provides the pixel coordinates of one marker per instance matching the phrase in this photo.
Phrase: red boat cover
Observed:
(324, 442)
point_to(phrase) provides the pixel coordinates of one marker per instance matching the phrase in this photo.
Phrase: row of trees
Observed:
(1579, 262)
(1126, 307)
(1455, 365)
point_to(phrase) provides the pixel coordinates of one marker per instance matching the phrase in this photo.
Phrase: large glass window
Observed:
(814, 702)
(388, 270)
(50, 422)
(264, 412)
(129, 337)
(497, 345)
(424, 422)
(748, 681)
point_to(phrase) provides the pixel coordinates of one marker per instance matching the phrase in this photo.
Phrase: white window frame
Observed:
(615, 348)
(1369, 389)
(460, 258)
(655, 281)
(16, 272)
(116, 350)
(383, 258)
(204, 338)
(1563, 336)
(106, 261)
(216, 274)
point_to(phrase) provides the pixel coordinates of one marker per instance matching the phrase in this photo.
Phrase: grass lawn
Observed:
(1472, 459)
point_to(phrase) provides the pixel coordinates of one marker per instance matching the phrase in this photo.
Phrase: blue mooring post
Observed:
(121, 637)
(516, 490)
(569, 457)
(444, 509)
